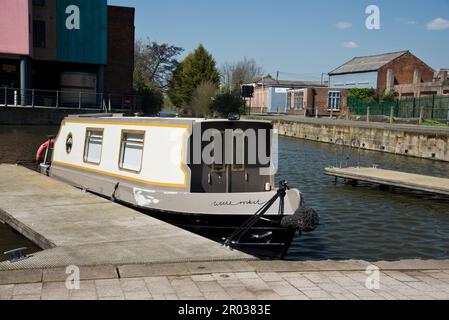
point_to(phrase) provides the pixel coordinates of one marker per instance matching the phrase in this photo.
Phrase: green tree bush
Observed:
(198, 67)
(226, 103)
(365, 95)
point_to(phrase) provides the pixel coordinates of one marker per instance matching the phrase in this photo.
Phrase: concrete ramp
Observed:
(77, 228)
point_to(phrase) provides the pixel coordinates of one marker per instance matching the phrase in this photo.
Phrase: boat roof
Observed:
(121, 117)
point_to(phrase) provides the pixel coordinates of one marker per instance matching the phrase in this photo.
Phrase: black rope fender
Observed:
(305, 219)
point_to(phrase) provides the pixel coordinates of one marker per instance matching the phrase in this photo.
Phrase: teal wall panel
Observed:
(82, 40)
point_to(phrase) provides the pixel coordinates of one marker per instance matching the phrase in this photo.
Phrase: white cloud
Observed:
(349, 45)
(343, 25)
(438, 24)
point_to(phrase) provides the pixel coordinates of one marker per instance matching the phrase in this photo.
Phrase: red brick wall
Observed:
(118, 75)
(404, 69)
(318, 98)
(321, 102)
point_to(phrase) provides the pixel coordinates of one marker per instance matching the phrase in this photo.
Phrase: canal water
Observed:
(362, 222)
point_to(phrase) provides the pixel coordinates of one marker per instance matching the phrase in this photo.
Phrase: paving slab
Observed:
(20, 276)
(85, 273)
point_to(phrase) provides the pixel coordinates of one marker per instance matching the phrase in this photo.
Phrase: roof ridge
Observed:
(381, 54)
(371, 62)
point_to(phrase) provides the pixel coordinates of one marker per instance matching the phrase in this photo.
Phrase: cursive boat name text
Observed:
(240, 203)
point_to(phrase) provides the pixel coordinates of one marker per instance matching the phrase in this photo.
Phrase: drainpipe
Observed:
(23, 79)
(100, 84)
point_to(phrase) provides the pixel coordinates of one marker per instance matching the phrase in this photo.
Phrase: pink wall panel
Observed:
(15, 26)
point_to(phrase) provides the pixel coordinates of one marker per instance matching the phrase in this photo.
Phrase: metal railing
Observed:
(65, 99)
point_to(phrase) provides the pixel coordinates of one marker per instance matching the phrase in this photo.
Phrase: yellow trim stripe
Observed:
(136, 124)
(120, 176)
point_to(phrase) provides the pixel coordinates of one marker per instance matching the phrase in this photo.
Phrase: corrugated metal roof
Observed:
(367, 63)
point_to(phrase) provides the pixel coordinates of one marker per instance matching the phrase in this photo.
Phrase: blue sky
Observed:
(301, 39)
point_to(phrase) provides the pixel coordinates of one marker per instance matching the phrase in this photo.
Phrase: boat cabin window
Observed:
(93, 146)
(131, 151)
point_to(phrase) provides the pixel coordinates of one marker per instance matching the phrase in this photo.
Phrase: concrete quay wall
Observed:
(408, 140)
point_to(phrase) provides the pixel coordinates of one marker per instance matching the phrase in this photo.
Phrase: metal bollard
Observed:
(421, 115)
(392, 115)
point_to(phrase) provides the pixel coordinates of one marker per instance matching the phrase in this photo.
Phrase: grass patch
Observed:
(434, 123)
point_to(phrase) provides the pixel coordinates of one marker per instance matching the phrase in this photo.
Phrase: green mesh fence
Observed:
(434, 107)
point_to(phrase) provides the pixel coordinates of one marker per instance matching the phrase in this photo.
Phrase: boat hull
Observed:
(266, 239)
(212, 215)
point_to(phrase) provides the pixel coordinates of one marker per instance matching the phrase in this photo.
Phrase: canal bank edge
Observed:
(185, 269)
(407, 140)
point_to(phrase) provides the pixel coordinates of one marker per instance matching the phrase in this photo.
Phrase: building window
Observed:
(289, 101)
(131, 151)
(299, 101)
(93, 146)
(39, 31)
(334, 101)
(40, 3)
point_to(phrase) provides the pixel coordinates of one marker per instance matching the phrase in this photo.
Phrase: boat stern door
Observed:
(233, 169)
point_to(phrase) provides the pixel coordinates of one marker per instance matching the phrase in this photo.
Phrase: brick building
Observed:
(320, 102)
(381, 72)
(118, 71)
(272, 96)
(71, 45)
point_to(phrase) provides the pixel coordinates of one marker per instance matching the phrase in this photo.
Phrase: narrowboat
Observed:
(185, 172)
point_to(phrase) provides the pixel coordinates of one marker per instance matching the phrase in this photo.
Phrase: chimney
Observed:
(442, 75)
(390, 80)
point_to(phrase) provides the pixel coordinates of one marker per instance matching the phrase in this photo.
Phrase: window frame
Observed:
(122, 149)
(86, 145)
(332, 99)
(298, 101)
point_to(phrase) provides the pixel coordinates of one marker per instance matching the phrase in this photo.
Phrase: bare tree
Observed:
(235, 74)
(156, 62)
